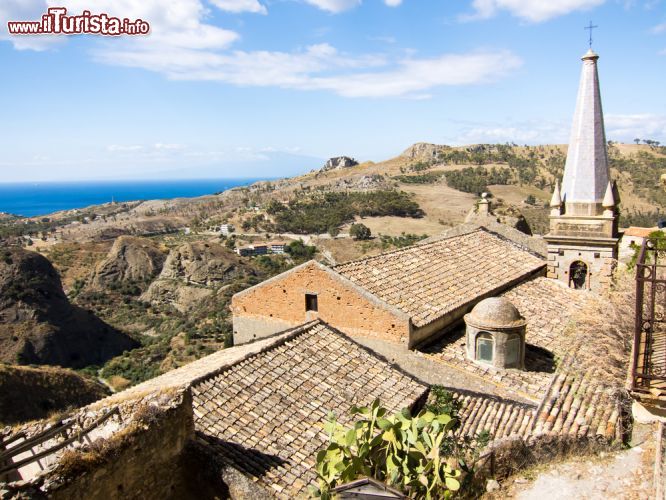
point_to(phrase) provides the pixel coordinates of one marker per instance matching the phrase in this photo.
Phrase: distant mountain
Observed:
(38, 325)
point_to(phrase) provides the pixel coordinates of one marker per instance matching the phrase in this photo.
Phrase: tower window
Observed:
(578, 275)
(311, 303)
(484, 347)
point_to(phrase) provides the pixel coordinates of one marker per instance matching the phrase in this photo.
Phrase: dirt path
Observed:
(626, 474)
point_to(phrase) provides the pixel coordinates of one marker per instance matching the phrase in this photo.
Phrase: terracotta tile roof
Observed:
(587, 395)
(574, 367)
(264, 415)
(500, 417)
(549, 308)
(428, 281)
(577, 404)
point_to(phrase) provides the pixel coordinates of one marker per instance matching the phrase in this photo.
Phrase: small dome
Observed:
(495, 312)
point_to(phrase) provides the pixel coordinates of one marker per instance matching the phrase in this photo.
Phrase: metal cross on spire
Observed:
(590, 27)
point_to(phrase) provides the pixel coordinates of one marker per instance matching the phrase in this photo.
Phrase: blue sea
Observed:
(41, 198)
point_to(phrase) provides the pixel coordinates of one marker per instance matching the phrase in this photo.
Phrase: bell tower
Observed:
(583, 237)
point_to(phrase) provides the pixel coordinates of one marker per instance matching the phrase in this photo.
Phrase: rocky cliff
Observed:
(130, 260)
(193, 272)
(424, 151)
(38, 325)
(339, 162)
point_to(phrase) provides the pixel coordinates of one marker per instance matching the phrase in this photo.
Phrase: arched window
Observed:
(578, 275)
(512, 356)
(485, 346)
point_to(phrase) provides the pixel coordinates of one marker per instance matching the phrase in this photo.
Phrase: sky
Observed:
(270, 88)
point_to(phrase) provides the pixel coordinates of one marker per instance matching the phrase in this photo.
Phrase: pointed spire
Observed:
(556, 200)
(586, 172)
(609, 199)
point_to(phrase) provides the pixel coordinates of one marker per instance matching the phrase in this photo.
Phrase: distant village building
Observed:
(583, 237)
(252, 250)
(277, 247)
(224, 229)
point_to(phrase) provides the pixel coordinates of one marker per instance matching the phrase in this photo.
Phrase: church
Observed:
(513, 328)
(411, 295)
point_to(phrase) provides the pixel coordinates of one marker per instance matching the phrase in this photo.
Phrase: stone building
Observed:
(404, 297)
(583, 237)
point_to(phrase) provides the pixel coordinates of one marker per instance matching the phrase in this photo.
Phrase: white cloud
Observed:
(619, 127)
(541, 132)
(237, 6)
(120, 148)
(322, 67)
(659, 28)
(642, 125)
(337, 6)
(334, 6)
(183, 45)
(530, 10)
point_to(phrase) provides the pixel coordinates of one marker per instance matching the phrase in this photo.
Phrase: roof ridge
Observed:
(406, 249)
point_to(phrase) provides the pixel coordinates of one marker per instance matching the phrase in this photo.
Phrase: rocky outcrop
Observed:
(193, 272)
(424, 151)
(362, 183)
(38, 325)
(339, 162)
(130, 260)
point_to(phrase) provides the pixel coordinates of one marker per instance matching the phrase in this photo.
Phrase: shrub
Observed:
(360, 232)
(300, 251)
(401, 450)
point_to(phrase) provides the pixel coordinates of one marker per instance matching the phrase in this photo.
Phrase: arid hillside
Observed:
(30, 393)
(158, 275)
(38, 324)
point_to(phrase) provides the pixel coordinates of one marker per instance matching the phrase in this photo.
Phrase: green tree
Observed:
(360, 232)
(300, 251)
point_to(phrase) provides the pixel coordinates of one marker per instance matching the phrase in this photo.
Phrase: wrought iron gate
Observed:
(649, 363)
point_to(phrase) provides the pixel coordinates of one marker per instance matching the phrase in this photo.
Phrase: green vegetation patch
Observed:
(319, 214)
(427, 178)
(476, 179)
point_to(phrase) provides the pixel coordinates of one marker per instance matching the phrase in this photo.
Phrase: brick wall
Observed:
(279, 303)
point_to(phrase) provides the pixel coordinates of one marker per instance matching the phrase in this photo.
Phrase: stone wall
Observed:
(139, 459)
(279, 303)
(147, 467)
